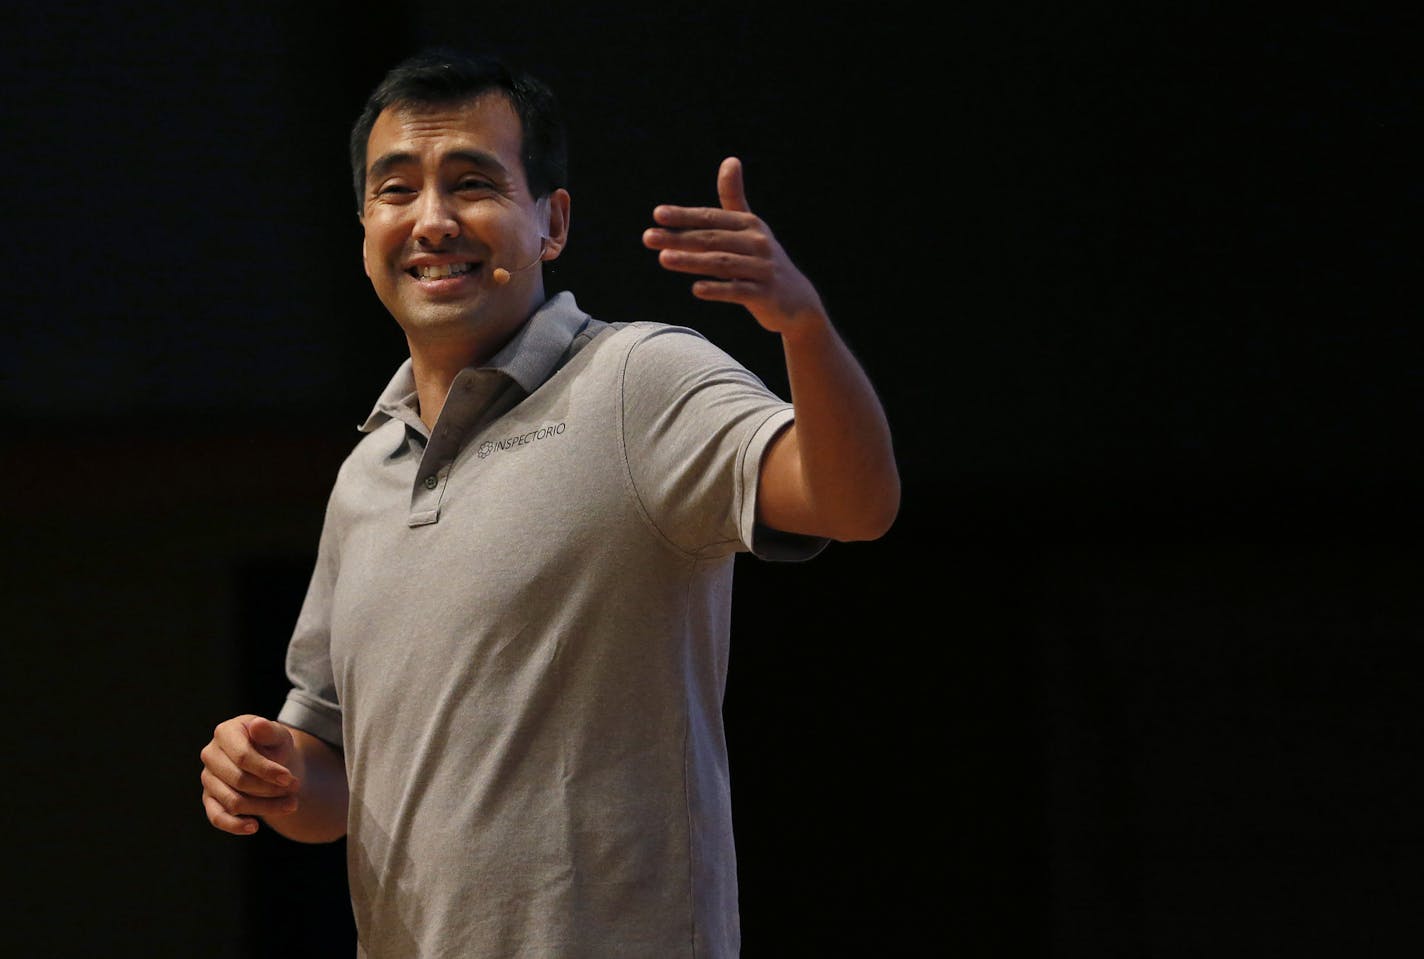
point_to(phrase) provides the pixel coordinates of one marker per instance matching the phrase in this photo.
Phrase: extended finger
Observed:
(722, 265)
(729, 291)
(702, 217)
(746, 242)
(730, 189)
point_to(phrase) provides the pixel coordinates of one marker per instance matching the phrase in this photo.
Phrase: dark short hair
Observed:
(441, 76)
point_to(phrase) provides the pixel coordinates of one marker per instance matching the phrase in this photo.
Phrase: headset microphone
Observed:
(501, 276)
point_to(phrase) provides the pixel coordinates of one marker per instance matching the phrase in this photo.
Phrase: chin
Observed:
(433, 321)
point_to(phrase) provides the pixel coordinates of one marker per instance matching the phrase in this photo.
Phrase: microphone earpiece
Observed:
(501, 276)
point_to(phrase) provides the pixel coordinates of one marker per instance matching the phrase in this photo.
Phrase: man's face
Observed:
(447, 203)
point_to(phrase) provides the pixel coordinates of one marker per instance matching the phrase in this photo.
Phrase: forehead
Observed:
(486, 124)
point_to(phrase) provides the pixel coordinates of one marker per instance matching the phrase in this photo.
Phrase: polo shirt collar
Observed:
(529, 358)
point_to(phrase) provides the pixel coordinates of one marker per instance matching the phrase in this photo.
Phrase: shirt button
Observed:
(431, 482)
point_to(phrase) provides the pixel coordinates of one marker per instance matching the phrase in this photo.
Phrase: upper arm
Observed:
(838, 510)
(782, 501)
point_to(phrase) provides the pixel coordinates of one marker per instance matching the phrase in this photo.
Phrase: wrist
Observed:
(808, 328)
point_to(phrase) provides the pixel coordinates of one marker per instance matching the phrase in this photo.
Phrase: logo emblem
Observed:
(520, 439)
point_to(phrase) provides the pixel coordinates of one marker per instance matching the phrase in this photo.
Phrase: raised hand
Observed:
(736, 251)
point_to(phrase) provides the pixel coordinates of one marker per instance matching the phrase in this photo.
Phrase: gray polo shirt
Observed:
(517, 630)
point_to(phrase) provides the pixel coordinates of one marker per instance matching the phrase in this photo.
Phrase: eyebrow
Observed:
(478, 158)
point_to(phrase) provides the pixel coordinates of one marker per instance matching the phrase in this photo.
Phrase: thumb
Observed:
(267, 735)
(730, 190)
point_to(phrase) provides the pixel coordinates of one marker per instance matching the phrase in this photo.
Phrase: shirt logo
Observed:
(519, 439)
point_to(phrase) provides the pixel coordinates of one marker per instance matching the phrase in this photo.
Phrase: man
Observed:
(508, 672)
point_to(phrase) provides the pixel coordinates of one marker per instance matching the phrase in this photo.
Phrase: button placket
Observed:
(469, 406)
(425, 497)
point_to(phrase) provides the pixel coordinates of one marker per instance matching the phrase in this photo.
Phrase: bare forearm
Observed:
(851, 482)
(322, 795)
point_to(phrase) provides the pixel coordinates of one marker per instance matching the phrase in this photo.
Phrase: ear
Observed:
(365, 263)
(556, 223)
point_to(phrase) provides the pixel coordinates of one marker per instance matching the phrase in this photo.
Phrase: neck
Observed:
(436, 359)
(434, 370)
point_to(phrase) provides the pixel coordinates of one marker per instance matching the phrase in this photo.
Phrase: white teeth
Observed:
(442, 271)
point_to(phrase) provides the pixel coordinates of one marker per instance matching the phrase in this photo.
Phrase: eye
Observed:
(473, 183)
(393, 189)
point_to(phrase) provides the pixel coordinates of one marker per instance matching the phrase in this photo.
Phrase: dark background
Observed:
(1132, 674)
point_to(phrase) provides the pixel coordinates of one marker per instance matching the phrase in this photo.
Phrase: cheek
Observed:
(491, 219)
(381, 242)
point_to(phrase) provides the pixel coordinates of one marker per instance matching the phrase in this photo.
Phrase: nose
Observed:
(435, 220)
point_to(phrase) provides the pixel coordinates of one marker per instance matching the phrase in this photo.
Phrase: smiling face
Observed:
(447, 204)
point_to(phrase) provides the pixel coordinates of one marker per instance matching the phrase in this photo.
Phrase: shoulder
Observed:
(655, 351)
(375, 446)
(371, 452)
(651, 352)
(628, 336)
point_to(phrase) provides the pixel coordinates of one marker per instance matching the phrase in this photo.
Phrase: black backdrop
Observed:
(1131, 674)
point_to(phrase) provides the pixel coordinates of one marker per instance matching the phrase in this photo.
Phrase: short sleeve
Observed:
(312, 704)
(696, 424)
